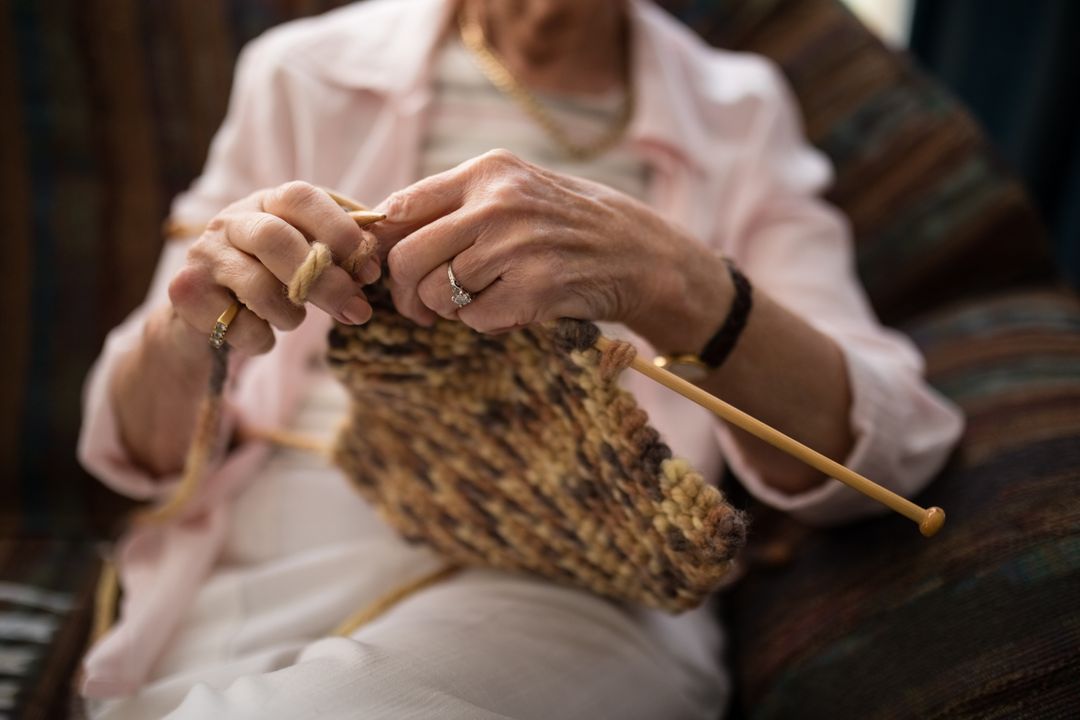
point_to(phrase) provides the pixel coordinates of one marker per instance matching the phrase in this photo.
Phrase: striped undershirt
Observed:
(470, 116)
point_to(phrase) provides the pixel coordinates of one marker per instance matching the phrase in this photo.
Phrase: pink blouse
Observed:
(340, 100)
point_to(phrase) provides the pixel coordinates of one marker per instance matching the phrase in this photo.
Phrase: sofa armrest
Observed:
(46, 599)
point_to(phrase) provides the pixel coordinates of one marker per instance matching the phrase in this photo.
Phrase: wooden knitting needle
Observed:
(357, 211)
(364, 218)
(360, 215)
(929, 520)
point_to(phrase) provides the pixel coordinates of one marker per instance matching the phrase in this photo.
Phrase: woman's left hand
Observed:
(531, 245)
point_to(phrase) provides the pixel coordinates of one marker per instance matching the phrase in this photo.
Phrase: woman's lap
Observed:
(479, 644)
(482, 644)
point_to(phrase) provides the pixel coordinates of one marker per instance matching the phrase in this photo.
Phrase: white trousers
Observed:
(306, 552)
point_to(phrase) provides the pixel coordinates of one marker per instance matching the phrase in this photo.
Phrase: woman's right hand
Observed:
(251, 250)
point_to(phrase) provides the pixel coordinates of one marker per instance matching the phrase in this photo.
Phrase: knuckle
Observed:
(187, 285)
(201, 251)
(500, 156)
(295, 193)
(400, 204)
(270, 234)
(216, 224)
(399, 261)
(504, 193)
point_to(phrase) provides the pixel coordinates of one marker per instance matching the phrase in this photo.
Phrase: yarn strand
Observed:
(207, 422)
(318, 259)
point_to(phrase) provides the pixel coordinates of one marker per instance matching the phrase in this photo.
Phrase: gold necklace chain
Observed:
(496, 71)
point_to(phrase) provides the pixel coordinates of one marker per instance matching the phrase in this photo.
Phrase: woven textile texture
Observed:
(520, 451)
(982, 622)
(46, 589)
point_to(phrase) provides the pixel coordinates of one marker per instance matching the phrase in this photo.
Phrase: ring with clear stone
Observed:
(459, 295)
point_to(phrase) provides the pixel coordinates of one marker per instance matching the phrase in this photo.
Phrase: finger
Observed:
(369, 266)
(411, 208)
(437, 195)
(282, 248)
(257, 289)
(316, 215)
(199, 301)
(415, 257)
(474, 270)
(408, 306)
(499, 308)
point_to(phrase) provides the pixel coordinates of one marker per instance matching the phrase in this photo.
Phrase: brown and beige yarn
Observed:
(520, 451)
(517, 451)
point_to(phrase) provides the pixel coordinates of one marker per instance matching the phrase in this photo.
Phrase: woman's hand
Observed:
(531, 245)
(250, 251)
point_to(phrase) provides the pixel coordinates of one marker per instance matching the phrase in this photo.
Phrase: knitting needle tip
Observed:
(364, 218)
(932, 521)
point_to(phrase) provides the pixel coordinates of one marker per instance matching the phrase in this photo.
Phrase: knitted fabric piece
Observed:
(521, 452)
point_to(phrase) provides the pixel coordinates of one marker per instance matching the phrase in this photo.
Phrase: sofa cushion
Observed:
(983, 620)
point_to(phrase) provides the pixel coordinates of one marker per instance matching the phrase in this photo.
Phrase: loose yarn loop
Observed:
(318, 259)
(576, 335)
(355, 262)
(615, 358)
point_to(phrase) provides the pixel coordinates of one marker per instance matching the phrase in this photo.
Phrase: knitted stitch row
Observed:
(520, 451)
(517, 451)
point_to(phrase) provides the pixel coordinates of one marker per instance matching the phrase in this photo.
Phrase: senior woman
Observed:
(653, 184)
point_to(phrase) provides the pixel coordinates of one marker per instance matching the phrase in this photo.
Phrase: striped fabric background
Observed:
(109, 106)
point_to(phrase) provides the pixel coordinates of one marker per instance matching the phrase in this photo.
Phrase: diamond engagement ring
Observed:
(459, 295)
(217, 335)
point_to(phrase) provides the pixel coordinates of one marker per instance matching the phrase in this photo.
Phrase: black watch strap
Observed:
(723, 342)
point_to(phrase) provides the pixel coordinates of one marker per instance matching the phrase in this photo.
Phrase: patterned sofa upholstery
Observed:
(109, 108)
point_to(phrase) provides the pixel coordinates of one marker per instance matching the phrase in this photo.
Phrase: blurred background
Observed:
(955, 129)
(1016, 66)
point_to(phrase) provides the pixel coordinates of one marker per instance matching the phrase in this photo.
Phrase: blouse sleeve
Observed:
(249, 151)
(798, 249)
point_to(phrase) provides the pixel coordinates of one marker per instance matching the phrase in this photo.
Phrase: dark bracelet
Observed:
(723, 342)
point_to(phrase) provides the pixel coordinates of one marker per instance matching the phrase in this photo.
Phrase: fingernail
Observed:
(357, 311)
(370, 272)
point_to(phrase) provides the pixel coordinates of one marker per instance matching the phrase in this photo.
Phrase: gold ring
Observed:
(217, 335)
